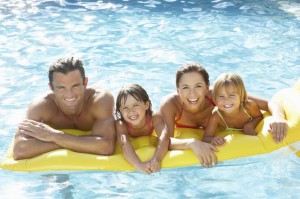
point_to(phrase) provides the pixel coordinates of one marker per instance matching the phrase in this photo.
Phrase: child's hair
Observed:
(230, 79)
(135, 91)
(187, 68)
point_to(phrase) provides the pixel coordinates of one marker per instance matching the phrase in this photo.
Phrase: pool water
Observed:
(144, 42)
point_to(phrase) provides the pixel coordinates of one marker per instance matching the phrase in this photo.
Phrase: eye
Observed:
(221, 96)
(185, 87)
(60, 88)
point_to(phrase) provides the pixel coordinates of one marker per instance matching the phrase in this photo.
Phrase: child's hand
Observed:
(144, 167)
(155, 165)
(278, 129)
(218, 141)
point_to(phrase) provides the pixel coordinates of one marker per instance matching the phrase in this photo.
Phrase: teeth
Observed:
(193, 100)
(228, 105)
(70, 99)
(133, 117)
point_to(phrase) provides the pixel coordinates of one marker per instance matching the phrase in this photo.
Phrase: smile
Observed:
(193, 101)
(228, 105)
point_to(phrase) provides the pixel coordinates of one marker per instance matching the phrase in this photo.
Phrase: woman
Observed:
(191, 107)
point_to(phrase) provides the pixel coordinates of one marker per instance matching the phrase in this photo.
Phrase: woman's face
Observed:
(192, 90)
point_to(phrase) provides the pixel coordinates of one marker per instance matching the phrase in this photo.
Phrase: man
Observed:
(70, 106)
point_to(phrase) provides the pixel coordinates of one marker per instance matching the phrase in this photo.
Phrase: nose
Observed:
(68, 92)
(192, 92)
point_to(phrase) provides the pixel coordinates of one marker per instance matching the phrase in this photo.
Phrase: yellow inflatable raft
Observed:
(238, 145)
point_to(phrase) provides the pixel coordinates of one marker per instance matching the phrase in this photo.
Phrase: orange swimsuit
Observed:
(188, 126)
(150, 129)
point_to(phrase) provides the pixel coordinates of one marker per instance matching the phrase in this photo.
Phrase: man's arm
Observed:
(103, 137)
(102, 140)
(26, 146)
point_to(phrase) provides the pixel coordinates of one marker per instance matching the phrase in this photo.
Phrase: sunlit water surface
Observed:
(144, 42)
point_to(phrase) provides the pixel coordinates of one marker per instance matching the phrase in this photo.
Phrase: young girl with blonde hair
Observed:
(233, 111)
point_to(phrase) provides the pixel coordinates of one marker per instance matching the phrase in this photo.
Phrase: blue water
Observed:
(144, 42)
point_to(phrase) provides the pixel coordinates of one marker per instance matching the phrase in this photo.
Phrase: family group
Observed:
(72, 105)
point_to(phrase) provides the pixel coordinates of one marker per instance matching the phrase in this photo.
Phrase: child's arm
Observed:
(210, 130)
(128, 150)
(253, 110)
(163, 142)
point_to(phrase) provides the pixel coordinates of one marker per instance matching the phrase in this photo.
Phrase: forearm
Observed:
(181, 144)
(130, 155)
(84, 144)
(250, 128)
(207, 138)
(30, 147)
(276, 109)
(162, 147)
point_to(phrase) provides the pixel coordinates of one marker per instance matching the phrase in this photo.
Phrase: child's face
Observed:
(192, 90)
(133, 111)
(227, 99)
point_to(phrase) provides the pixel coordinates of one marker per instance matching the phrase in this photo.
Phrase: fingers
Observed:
(214, 148)
(278, 133)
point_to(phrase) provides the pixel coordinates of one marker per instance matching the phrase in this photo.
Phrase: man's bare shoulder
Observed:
(100, 95)
(101, 102)
(42, 106)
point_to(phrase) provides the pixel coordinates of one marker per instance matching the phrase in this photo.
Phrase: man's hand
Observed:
(37, 130)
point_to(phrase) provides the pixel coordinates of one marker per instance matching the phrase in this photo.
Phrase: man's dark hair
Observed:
(66, 65)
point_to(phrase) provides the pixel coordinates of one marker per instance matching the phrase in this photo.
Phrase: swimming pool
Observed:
(144, 42)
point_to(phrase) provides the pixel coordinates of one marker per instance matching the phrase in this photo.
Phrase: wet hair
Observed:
(135, 91)
(230, 79)
(188, 68)
(66, 65)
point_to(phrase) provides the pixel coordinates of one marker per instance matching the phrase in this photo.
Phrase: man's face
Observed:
(69, 90)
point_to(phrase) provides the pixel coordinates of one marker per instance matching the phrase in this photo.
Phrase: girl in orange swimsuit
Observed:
(234, 111)
(136, 119)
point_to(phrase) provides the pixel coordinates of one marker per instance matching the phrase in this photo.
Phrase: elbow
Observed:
(19, 152)
(106, 148)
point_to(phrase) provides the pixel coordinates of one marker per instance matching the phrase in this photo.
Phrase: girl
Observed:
(233, 110)
(191, 106)
(135, 119)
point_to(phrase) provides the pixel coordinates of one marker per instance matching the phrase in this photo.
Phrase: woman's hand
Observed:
(204, 152)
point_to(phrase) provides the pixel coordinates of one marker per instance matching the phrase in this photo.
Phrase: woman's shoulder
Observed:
(170, 99)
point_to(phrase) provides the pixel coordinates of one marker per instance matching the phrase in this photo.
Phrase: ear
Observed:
(85, 82)
(50, 86)
(207, 87)
(147, 104)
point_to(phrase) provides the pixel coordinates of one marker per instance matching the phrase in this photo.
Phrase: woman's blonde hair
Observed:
(230, 79)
